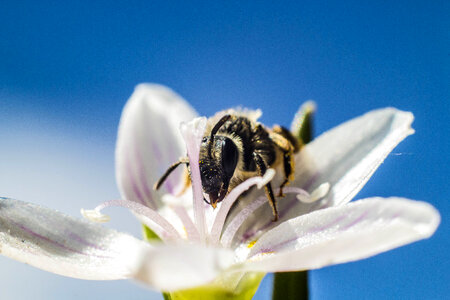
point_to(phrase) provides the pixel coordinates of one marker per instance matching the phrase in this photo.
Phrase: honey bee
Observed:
(235, 147)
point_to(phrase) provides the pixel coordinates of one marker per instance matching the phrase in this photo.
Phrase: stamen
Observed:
(239, 219)
(191, 230)
(231, 197)
(296, 190)
(94, 215)
(251, 244)
(268, 176)
(151, 218)
(320, 192)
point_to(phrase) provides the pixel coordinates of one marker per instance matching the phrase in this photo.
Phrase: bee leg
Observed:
(288, 145)
(288, 166)
(262, 167)
(285, 139)
(187, 181)
(169, 170)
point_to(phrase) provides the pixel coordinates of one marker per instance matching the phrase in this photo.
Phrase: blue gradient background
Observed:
(66, 70)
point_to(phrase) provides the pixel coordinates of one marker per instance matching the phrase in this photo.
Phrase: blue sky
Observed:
(67, 68)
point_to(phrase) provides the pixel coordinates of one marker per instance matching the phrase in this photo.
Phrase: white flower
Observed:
(317, 227)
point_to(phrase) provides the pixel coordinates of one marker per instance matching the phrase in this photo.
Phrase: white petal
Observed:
(66, 246)
(175, 267)
(341, 234)
(149, 142)
(348, 155)
(192, 133)
(344, 157)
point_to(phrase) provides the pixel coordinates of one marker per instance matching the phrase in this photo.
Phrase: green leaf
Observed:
(149, 235)
(303, 122)
(290, 285)
(245, 290)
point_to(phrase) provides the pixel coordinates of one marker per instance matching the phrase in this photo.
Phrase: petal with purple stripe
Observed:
(193, 133)
(149, 142)
(348, 155)
(341, 234)
(64, 245)
(344, 157)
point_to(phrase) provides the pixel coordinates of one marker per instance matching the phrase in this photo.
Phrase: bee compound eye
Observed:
(229, 157)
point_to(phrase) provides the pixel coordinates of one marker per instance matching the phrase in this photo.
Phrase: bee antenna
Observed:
(214, 131)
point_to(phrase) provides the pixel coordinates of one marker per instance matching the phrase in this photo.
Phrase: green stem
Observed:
(290, 285)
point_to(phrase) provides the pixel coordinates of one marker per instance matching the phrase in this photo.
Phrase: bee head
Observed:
(218, 159)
